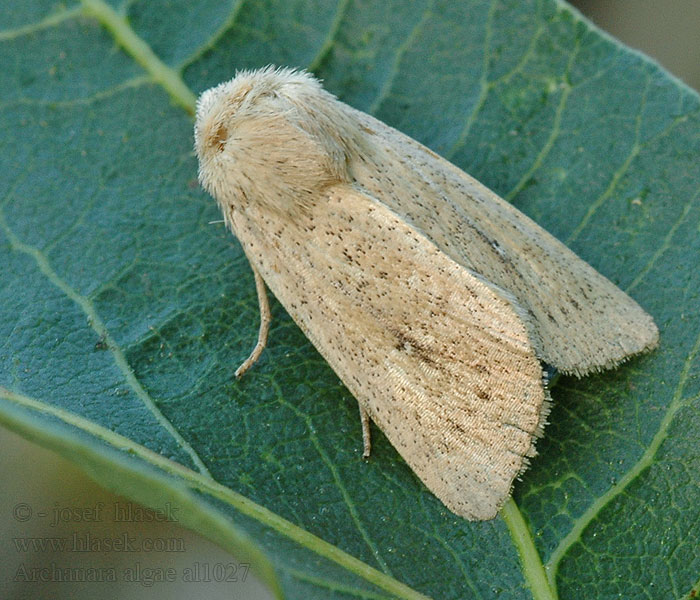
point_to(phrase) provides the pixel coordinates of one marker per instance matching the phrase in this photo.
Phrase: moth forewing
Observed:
(430, 297)
(442, 364)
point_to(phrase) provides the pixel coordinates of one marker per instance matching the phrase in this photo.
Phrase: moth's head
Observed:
(271, 136)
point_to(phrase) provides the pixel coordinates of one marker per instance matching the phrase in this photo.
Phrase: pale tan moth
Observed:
(433, 299)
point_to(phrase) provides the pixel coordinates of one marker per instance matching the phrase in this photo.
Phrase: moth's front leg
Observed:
(265, 319)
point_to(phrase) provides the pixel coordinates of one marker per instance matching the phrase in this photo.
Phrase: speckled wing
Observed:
(581, 322)
(442, 362)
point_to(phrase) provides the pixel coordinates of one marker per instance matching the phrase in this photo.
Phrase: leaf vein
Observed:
(333, 586)
(646, 460)
(216, 36)
(85, 101)
(142, 53)
(484, 87)
(45, 23)
(554, 134)
(400, 52)
(96, 323)
(352, 509)
(665, 244)
(327, 44)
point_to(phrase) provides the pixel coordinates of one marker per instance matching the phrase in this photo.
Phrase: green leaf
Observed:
(124, 311)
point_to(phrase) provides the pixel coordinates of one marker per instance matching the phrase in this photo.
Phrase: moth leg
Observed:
(366, 439)
(265, 319)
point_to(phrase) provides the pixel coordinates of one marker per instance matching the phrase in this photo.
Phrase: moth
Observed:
(433, 299)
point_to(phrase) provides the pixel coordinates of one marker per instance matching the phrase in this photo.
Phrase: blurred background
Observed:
(668, 31)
